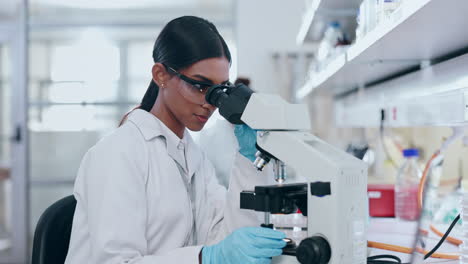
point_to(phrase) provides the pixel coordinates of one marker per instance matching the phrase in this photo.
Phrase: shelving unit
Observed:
(341, 75)
(434, 96)
(420, 31)
(444, 109)
(322, 12)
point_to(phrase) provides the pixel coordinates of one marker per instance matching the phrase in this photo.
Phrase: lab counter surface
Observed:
(391, 231)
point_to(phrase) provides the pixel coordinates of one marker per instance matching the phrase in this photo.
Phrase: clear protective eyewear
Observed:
(193, 90)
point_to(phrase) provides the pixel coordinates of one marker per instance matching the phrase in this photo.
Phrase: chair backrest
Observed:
(52, 235)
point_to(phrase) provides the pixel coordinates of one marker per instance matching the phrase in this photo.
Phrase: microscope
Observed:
(334, 198)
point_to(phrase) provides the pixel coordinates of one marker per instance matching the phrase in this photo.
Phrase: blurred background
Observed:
(69, 70)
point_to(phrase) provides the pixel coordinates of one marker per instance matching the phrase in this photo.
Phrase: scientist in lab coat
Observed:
(147, 194)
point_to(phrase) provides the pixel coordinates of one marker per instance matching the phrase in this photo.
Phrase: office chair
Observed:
(52, 234)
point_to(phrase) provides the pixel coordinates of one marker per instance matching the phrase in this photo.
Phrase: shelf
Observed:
(322, 12)
(419, 31)
(444, 109)
(434, 96)
(341, 75)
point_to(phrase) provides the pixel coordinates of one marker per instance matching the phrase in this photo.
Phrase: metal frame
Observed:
(15, 36)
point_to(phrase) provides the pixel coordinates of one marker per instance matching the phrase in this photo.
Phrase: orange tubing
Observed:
(422, 182)
(408, 250)
(450, 239)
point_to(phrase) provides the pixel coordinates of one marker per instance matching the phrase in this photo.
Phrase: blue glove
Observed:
(247, 138)
(248, 245)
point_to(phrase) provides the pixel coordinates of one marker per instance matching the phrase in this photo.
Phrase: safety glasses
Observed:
(194, 90)
(202, 87)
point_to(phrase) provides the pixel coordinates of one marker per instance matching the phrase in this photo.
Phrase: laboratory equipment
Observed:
(387, 8)
(406, 187)
(373, 12)
(449, 206)
(334, 198)
(381, 200)
(368, 17)
(333, 37)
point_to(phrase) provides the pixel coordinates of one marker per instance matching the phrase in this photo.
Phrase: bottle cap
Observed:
(335, 24)
(410, 153)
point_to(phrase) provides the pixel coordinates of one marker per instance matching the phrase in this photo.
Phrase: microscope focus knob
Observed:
(313, 250)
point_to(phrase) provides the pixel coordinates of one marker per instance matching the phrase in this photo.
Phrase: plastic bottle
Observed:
(333, 36)
(387, 7)
(372, 14)
(406, 187)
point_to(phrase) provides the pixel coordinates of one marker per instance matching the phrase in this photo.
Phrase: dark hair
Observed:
(183, 42)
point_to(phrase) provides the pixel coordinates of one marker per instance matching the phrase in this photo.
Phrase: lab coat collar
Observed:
(151, 127)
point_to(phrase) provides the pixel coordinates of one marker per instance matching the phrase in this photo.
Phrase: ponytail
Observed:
(146, 103)
(150, 96)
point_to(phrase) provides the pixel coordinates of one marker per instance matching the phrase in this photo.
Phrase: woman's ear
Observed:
(160, 75)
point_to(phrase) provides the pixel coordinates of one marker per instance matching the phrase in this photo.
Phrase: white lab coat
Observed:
(141, 202)
(218, 142)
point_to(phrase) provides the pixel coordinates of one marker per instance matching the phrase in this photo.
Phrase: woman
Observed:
(147, 194)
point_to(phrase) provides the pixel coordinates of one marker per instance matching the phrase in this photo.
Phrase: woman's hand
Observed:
(248, 245)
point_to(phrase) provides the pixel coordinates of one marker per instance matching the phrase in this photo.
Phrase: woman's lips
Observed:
(202, 119)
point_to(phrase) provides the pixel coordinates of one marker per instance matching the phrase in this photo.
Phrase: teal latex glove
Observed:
(247, 138)
(248, 245)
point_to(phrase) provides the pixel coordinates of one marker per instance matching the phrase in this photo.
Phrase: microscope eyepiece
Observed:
(231, 100)
(217, 94)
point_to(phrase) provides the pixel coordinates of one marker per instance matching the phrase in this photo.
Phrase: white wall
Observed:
(265, 27)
